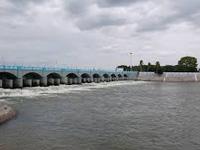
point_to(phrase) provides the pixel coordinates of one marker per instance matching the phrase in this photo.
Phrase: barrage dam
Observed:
(21, 76)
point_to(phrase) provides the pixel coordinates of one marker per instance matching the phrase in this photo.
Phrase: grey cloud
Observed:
(181, 11)
(114, 3)
(99, 22)
(155, 24)
(16, 7)
(13, 13)
(24, 2)
(77, 7)
(54, 36)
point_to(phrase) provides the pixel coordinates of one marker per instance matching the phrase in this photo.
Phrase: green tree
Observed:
(148, 66)
(157, 66)
(169, 68)
(124, 67)
(187, 64)
(159, 69)
(141, 65)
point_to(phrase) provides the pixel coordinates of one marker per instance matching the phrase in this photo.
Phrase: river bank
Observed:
(6, 112)
(169, 77)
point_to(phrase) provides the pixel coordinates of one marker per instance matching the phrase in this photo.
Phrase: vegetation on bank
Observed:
(185, 64)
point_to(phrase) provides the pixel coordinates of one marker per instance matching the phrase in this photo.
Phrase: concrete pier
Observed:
(91, 80)
(28, 82)
(70, 81)
(79, 80)
(43, 82)
(50, 81)
(1, 83)
(64, 80)
(84, 80)
(120, 78)
(95, 80)
(56, 81)
(18, 83)
(88, 80)
(102, 79)
(98, 80)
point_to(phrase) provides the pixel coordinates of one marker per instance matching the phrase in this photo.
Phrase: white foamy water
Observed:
(47, 91)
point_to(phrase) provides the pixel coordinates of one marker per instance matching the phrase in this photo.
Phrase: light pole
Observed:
(131, 60)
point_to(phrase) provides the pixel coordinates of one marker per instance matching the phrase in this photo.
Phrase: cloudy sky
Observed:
(98, 33)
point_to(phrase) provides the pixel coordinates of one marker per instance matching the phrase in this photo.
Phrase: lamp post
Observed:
(131, 60)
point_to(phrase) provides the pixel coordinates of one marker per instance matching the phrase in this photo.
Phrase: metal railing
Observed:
(67, 69)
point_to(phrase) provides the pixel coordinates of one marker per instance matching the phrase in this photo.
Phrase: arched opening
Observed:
(32, 75)
(31, 79)
(7, 79)
(54, 75)
(72, 78)
(106, 77)
(125, 77)
(96, 75)
(72, 75)
(120, 77)
(96, 78)
(7, 75)
(86, 78)
(53, 79)
(113, 77)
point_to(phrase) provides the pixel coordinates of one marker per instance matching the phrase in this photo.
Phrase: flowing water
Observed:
(106, 116)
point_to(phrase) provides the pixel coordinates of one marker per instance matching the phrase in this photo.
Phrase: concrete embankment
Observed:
(6, 112)
(169, 77)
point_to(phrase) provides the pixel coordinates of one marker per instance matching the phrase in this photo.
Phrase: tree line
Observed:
(185, 64)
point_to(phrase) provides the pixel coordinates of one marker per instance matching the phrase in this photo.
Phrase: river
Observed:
(125, 115)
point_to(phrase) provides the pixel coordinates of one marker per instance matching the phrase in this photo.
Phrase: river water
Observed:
(107, 116)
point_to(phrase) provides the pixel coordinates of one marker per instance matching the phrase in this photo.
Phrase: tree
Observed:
(141, 65)
(157, 66)
(169, 68)
(158, 70)
(187, 64)
(124, 67)
(148, 67)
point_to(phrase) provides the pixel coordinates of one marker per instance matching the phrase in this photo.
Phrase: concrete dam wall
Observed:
(169, 77)
(20, 76)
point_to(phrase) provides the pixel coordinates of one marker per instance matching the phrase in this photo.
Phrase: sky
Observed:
(98, 33)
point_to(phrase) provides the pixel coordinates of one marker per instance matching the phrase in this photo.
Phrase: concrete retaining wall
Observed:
(169, 77)
(6, 112)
